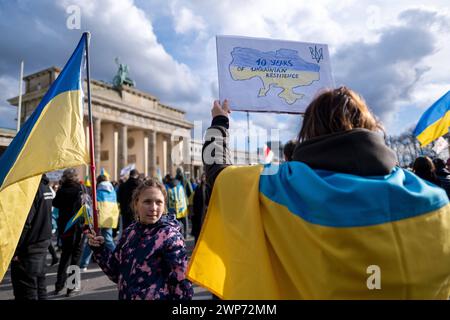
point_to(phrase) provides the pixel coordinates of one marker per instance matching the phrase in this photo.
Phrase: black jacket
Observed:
(68, 202)
(444, 179)
(38, 226)
(124, 195)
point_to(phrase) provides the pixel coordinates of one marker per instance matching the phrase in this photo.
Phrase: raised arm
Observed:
(215, 153)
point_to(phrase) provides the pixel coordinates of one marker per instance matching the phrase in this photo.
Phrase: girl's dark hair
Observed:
(337, 110)
(150, 183)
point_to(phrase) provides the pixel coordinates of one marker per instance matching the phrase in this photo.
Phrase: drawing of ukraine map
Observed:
(283, 68)
(271, 75)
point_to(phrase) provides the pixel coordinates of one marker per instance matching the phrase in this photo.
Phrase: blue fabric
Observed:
(106, 193)
(344, 200)
(68, 80)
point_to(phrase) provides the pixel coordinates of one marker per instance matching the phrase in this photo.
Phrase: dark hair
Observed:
(337, 110)
(439, 164)
(150, 183)
(425, 169)
(288, 150)
(101, 178)
(134, 173)
(69, 176)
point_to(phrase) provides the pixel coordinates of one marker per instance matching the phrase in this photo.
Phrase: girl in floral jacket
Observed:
(150, 260)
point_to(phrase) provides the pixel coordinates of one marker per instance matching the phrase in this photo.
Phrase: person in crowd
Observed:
(199, 208)
(68, 201)
(150, 260)
(28, 266)
(108, 217)
(51, 248)
(442, 174)
(124, 195)
(425, 169)
(193, 184)
(177, 203)
(341, 199)
(288, 150)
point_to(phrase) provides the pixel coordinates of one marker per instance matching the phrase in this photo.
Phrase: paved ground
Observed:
(94, 284)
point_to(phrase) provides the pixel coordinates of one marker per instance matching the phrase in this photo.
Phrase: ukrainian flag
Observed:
(52, 138)
(108, 209)
(82, 213)
(434, 122)
(315, 234)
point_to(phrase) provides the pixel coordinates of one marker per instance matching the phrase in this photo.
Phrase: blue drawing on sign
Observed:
(316, 54)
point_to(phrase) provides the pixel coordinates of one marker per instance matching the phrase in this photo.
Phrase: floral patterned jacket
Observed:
(149, 262)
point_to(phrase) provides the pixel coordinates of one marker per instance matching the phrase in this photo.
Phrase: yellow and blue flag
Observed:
(105, 173)
(315, 234)
(52, 138)
(434, 122)
(108, 209)
(82, 213)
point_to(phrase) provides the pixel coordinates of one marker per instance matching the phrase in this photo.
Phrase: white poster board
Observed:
(267, 75)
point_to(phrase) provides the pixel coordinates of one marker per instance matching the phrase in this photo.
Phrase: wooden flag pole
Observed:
(91, 139)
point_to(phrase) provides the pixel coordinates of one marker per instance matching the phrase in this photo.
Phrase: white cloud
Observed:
(185, 20)
(120, 29)
(9, 87)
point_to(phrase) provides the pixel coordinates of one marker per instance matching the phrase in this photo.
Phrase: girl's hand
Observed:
(95, 241)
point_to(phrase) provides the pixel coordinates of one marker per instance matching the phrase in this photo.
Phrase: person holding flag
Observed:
(340, 221)
(149, 262)
(41, 146)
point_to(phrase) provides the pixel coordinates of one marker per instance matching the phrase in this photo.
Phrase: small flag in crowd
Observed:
(84, 213)
(434, 122)
(103, 172)
(268, 154)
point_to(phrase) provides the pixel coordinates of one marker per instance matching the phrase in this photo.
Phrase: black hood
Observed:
(358, 151)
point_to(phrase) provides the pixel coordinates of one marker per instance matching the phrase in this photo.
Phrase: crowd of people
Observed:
(144, 222)
(56, 204)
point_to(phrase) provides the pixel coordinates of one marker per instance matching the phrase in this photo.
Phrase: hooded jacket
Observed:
(149, 262)
(341, 221)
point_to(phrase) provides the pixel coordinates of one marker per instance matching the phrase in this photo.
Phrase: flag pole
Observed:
(19, 106)
(91, 138)
(248, 136)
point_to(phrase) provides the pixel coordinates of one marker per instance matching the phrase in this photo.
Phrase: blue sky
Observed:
(393, 53)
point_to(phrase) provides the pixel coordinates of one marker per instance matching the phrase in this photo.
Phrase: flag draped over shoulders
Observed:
(313, 234)
(52, 138)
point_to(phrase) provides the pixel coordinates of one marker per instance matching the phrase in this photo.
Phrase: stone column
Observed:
(123, 147)
(145, 155)
(97, 142)
(116, 155)
(169, 155)
(152, 153)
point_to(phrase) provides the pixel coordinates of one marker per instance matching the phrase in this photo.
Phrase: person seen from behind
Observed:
(341, 198)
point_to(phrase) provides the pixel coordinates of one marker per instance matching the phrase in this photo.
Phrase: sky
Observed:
(394, 53)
